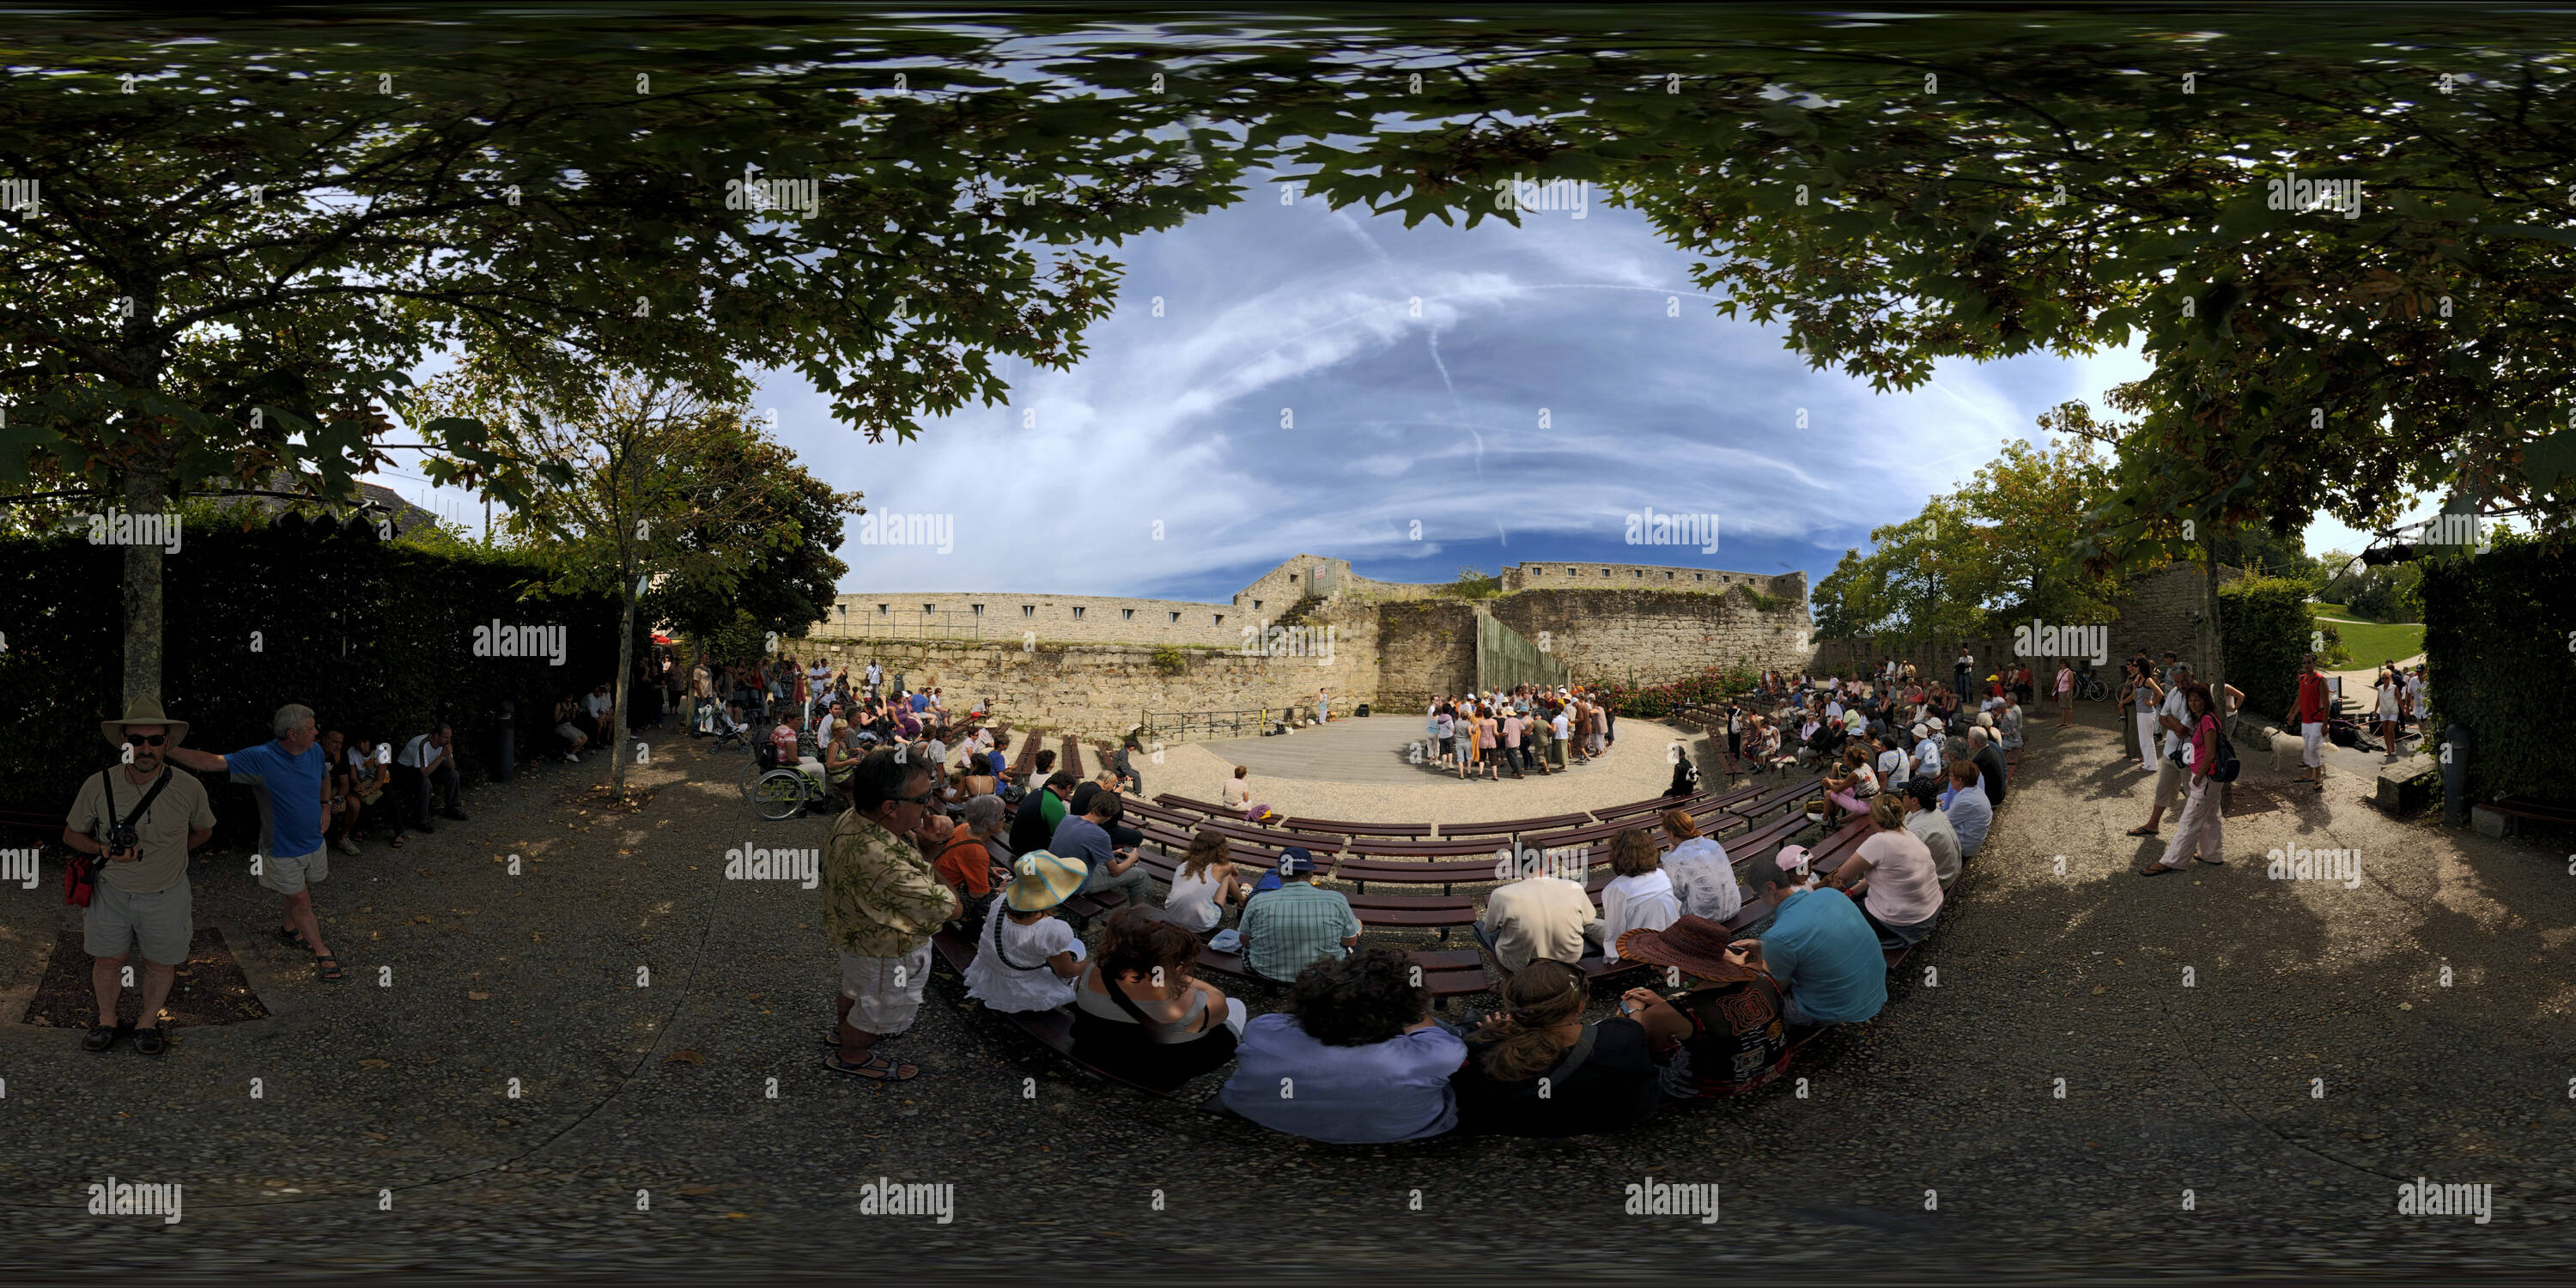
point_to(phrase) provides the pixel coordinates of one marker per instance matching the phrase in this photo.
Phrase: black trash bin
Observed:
(505, 743)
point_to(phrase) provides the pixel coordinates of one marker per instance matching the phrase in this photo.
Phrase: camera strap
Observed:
(107, 779)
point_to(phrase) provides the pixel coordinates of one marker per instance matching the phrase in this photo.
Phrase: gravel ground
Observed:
(377, 1095)
(1632, 770)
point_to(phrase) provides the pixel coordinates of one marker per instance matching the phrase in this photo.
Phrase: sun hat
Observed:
(1041, 880)
(1692, 945)
(143, 711)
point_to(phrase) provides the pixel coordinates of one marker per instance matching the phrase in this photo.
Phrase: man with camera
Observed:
(140, 819)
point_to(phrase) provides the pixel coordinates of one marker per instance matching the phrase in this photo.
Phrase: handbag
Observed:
(80, 876)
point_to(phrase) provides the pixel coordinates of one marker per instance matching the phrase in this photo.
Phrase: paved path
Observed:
(2426, 1000)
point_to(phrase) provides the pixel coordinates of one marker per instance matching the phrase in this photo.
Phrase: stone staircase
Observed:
(1299, 611)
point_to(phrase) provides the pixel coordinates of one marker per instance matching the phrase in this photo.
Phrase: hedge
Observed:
(375, 638)
(2500, 652)
(2266, 627)
(1655, 701)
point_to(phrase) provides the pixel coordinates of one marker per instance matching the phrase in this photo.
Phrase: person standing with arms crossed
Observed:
(292, 782)
(2312, 723)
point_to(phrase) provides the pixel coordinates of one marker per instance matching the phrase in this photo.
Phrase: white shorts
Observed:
(884, 992)
(160, 923)
(290, 874)
(2312, 742)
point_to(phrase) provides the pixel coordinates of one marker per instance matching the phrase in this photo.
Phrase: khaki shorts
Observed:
(884, 992)
(2169, 784)
(290, 874)
(161, 923)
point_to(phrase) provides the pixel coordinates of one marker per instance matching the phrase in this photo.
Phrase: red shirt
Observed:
(2312, 698)
(966, 863)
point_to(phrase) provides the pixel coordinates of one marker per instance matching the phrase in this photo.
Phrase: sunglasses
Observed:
(153, 740)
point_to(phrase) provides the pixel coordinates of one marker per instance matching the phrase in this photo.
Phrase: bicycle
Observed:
(2091, 688)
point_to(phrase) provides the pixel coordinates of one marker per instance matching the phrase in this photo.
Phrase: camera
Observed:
(120, 838)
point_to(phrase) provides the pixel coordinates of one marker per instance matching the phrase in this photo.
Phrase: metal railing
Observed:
(1185, 726)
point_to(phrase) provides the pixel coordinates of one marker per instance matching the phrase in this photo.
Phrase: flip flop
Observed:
(875, 1068)
(2157, 869)
(2141, 831)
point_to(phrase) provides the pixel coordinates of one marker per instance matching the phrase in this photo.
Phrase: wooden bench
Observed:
(2528, 810)
(1278, 837)
(1339, 827)
(1172, 802)
(1361, 871)
(1409, 847)
(1513, 827)
(1447, 972)
(1443, 913)
(1147, 809)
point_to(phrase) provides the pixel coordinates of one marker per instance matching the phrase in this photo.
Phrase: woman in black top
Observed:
(1538, 1070)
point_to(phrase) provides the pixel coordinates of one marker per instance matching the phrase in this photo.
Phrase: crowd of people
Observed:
(1356, 1052)
(1532, 729)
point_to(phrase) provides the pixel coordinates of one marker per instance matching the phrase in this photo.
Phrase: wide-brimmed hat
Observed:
(1692, 945)
(143, 711)
(1040, 880)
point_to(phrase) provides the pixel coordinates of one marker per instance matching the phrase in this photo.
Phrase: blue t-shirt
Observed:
(1392, 1090)
(290, 795)
(920, 702)
(1824, 951)
(999, 760)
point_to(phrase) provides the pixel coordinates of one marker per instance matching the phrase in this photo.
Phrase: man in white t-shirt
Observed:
(430, 762)
(876, 676)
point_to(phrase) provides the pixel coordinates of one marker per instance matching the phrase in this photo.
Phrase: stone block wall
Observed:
(1425, 649)
(1656, 636)
(1099, 690)
(1596, 576)
(1013, 617)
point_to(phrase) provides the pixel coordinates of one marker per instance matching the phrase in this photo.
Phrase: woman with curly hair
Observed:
(1537, 1069)
(1357, 1059)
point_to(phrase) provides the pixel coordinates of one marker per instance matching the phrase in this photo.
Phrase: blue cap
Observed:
(1295, 862)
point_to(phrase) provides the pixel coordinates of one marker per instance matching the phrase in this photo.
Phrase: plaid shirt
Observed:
(1287, 928)
(881, 898)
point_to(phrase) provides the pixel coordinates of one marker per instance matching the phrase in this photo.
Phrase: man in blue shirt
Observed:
(294, 783)
(1356, 1059)
(1819, 949)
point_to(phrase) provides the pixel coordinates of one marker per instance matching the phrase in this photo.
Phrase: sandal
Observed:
(396, 843)
(149, 1041)
(875, 1068)
(2158, 869)
(292, 938)
(2142, 830)
(327, 969)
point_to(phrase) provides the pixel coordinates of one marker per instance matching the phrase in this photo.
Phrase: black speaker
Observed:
(1362, 713)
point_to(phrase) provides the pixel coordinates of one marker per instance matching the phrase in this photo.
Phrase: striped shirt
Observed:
(1286, 929)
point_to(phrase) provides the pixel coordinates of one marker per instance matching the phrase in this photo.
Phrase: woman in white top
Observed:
(1027, 958)
(2008, 721)
(2388, 687)
(1204, 884)
(1702, 877)
(1893, 877)
(1640, 897)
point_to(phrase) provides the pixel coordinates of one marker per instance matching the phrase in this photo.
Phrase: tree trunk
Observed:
(622, 690)
(147, 491)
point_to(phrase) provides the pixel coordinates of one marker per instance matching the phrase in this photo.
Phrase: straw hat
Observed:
(143, 711)
(1040, 880)
(1693, 945)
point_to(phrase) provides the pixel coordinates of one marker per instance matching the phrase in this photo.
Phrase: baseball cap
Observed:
(1295, 862)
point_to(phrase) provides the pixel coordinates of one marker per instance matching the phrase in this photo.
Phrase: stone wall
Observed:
(1016, 617)
(1594, 576)
(1425, 649)
(1656, 636)
(1101, 690)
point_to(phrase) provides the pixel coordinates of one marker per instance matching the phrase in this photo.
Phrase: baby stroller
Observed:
(730, 731)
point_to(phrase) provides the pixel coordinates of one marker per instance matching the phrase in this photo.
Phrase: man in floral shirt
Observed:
(882, 899)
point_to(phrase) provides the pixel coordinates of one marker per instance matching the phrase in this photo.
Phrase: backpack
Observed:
(2228, 766)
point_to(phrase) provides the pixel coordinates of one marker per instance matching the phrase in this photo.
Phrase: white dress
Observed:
(1641, 902)
(1000, 984)
(2387, 701)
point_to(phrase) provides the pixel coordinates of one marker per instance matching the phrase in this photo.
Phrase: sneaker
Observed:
(571, 759)
(452, 812)
(343, 846)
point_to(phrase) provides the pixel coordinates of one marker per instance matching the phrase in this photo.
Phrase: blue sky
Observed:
(1292, 396)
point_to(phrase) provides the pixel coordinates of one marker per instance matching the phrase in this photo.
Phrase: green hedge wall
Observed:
(2500, 648)
(2266, 628)
(375, 638)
